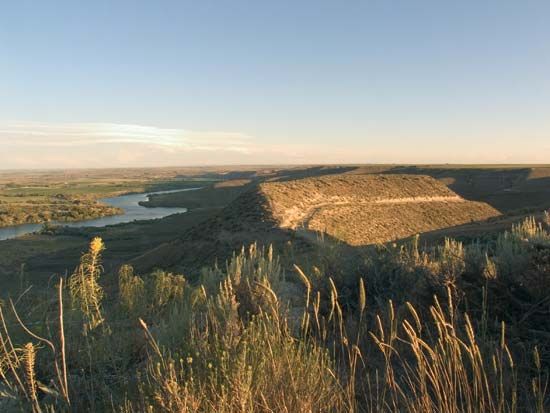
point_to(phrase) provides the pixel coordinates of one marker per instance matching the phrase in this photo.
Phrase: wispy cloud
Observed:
(62, 145)
(73, 145)
(86, 134)
(69, 145)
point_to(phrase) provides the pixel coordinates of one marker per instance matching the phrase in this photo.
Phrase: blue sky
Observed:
(202, 82)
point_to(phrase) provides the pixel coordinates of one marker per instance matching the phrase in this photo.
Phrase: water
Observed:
(129, 203)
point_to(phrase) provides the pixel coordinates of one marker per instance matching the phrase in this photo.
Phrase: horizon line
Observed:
(284, 164)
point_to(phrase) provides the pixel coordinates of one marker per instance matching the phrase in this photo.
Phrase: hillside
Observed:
(366, 209)
(355, 209)
(510, 189)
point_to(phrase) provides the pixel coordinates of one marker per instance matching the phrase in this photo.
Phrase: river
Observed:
(129, 203)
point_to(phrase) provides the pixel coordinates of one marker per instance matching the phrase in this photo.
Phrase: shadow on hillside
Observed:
(188, 242)
(290, 175)
(159, 243)
(212, 242)
(205, 247)
(278, 174)
(477, 230)
(504, 189)
(123, 242)
(244, 223)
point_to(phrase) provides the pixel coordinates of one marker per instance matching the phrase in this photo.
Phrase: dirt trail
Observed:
(299, 217)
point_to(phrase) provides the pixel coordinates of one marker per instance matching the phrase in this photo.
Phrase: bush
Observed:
(426, 329)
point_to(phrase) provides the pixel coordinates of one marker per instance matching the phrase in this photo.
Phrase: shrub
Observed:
(425, 330)
(131, 291)
(86, 293)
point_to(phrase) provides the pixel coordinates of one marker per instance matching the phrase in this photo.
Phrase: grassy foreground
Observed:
(453, 328)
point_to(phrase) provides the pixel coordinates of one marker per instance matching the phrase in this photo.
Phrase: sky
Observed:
(177, 83)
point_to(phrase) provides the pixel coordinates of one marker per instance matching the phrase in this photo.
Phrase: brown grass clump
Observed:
(86, 293)
(421, 330)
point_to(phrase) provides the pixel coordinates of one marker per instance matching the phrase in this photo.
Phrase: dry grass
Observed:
(379, 223)
(357, 209)
(293, 201)
(86, 293)
(241, 340)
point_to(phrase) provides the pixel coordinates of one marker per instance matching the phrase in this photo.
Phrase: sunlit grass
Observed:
(413, 333)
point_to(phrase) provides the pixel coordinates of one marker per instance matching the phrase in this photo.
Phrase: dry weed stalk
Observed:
(234, 344)
(86, 293)
(21, 362)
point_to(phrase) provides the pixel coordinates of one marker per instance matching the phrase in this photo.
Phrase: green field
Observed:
(74, 196)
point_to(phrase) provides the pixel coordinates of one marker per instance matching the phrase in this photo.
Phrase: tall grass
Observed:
(86, 293)
(422, 330)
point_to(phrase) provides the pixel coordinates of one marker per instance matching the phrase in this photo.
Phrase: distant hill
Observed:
(366, 209)
(355, 209)
(510, 189)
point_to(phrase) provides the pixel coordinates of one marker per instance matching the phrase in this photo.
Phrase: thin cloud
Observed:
(68, 145)
(86, 134)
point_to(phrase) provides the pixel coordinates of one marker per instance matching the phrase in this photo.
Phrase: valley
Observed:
(353, 205)
(306, 255)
